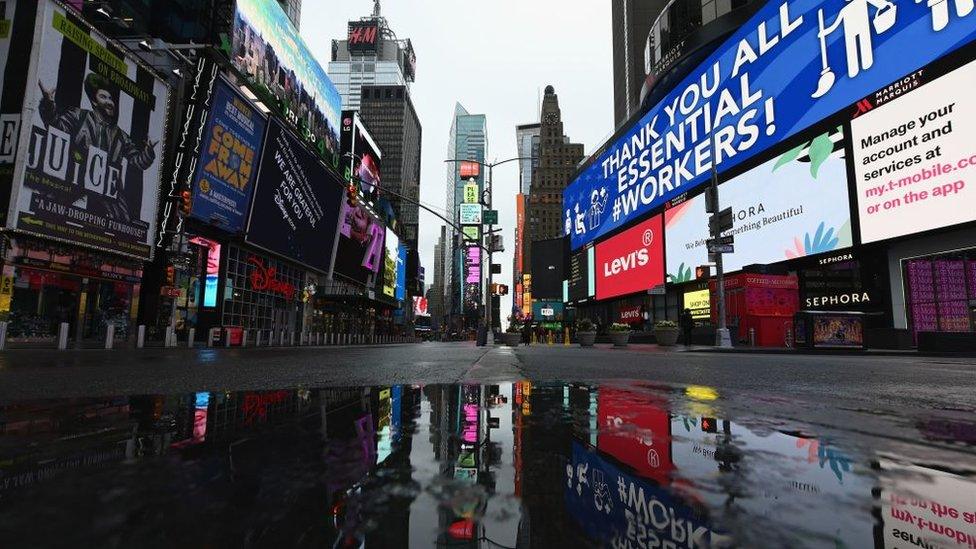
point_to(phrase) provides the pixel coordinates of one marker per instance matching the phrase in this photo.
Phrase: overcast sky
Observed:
(495, 58)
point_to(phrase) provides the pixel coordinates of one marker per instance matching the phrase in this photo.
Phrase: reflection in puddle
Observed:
(510, 465)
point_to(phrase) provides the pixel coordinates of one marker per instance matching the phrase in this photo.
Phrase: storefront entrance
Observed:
(940, 292)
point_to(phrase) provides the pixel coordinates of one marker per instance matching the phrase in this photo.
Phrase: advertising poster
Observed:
(471, 290)
(915, 159)
(793, 205)
(16, 27)
(89, 168)
(632, 261)
(579, 276)
(699, 301)
(361, 155)
(547, 311)
(227, 168)
(359, 254)
(635, 428)
(391, 255)
(296, 202)
(270, 51)
(420, 306)
(792, 64)
(838, 331)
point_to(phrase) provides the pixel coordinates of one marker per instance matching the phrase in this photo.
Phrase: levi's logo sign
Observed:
(623, 264)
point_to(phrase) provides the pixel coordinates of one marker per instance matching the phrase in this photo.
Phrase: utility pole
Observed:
(722, 337)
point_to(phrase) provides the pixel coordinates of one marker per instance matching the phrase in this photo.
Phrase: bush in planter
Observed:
(585, 332)
(619, 334)
(666, 332)
(585, 325)
(618, 327)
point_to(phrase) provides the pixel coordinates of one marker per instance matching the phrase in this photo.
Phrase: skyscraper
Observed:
(293, 9)
(373, 69)
(558, 158)
(527, 140)
(632, 20)
(436, 294)
(468, 140)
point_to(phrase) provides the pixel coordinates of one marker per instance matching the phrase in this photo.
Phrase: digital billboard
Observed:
(699, 302)
(635, 428)
(296, 202)
(915, 163)
(632, 261)
(579, 276)
(269, 50)
(547, 311)
(420, 306)
(359, 252)
(361, 156)
(363, 36)
(470, 214)
(94, 131)
(791, 65)
(391, 256)
(793, 205)
(401, 280)
(227, 167)
(548, 271)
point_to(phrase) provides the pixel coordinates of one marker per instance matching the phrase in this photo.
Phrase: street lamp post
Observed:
(488, 187)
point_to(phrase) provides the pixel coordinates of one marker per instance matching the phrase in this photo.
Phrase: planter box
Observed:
(666, 336)
(620, 339)
(511, 339)
(586, 339)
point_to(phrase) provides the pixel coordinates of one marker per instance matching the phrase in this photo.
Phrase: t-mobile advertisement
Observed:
(632, 261)
(915, 158)
(794, 205)
(225, 173)
(89, 168)
(360, 251)
(296, 202)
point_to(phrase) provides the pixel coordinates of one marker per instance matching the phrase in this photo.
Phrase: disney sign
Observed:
(264, 279)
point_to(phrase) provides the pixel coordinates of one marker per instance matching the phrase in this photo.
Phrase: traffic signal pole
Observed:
(722, 337)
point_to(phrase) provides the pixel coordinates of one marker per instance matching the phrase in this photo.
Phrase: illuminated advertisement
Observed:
(792, 64)
(915, 158)
(469, 169)
(225, 173)
(420, 306)
(699, 301)
(296, 202)
(401, 279)
(838, 331)
(580, 275)
(363, 36)
(792, 206)
(470, 214)
(923, 503)
(471, 232)
(361, 156)
(632, 261)
(94, 131)
(547, 311)
(269, 50)
(391, 255)
(213, 269)
(472, 278)
(359, 253)
(526, 293)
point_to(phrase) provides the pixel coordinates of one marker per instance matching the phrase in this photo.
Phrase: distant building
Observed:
(558, 158)
(435, 296)
(631, 23)
(293, 9)
(527, 141)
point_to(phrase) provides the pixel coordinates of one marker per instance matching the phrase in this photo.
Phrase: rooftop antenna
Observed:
(376, 8)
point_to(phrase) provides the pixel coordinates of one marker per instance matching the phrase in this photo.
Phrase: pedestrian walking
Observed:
(687, 325)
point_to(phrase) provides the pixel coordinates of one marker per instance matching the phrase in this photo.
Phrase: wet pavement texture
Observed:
(496, 464)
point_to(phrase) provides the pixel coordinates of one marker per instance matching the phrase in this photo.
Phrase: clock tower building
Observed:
(558, 158)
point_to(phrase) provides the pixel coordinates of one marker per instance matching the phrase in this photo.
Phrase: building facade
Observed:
(435, 295)
(631, 21)
(371, 55)
(527, 141)
(467, 141)
(293, 9)
(558, 158)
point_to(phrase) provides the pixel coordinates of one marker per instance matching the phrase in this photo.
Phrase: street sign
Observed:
(470, 214)
(722, 240)
(491, 217)
(714, 248)
(720, 222)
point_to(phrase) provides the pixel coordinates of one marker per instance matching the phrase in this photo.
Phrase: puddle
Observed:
(508, 465)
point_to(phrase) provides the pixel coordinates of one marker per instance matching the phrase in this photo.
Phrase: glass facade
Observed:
(940, 292)
(679, 20)
(262, 293)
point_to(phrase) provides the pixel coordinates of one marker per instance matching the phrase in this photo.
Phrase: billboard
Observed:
(580, 275)
(365, 160)
(296, 202)
(269, 50)
(793, 205)
(470, 214)
(547, 268)
(915, 163)
(775, 76)
(17, 22)
(363, 36)
(359, 252)
(93, 128)
(401, 279)
(471, 289)
(420, 306)
(547, 311)
(699, 302)
(632, 261)
(391, 255)
(635, 428)
(225, 173)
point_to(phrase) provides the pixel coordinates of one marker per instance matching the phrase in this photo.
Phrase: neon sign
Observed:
(263, 279)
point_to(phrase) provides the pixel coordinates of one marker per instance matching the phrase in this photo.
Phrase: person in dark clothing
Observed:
(687, 325)
(526, 334)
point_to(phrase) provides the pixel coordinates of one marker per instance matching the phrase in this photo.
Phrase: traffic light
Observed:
(709, 425)
(352, 195)
(186, 203)
(170, 275)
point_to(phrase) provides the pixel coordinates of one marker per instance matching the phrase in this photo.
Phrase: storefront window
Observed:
(262, 293)
(941, 292)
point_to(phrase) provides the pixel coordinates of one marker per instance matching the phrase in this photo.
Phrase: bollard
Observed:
(191, 335)
(3, 335)
(210, 337)
(244, 338)
(141, 336)
(281, 338)
(752, 337)
(226, 337)
(109, 336)
(168, 337)
(291, 338)
(318, 338)
(63, 336)
(257, 338)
